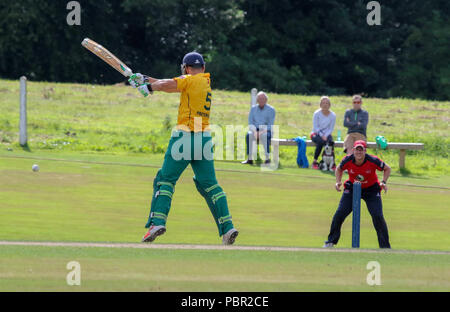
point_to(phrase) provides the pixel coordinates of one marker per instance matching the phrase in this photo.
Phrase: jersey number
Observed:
(208, 99)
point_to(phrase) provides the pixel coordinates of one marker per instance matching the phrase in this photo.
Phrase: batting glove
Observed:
(145, 89)
(137, 80)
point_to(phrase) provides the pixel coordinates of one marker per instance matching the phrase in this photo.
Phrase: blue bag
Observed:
(302, 160)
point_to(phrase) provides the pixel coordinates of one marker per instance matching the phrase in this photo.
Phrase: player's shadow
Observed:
(26, 148)
(327, 172)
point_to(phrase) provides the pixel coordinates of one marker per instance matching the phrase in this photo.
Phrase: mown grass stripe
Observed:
(217, 169)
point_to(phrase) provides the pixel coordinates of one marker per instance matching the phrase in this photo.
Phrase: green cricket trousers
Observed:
(196, 149)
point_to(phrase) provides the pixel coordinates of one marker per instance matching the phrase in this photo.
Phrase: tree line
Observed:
(283, 46)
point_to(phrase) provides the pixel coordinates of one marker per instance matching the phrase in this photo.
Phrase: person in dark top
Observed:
(361, 167)
(356, 121)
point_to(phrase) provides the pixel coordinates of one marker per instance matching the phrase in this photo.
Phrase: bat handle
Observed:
(128, 72)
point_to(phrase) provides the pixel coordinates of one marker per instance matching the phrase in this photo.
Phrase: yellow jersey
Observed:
(195, 102)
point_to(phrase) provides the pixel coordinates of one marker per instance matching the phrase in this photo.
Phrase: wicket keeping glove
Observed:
(145, 89)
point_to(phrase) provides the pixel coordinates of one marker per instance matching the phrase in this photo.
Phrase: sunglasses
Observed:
(356, 102)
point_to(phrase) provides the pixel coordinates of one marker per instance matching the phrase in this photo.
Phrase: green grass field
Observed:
(87, 198)
(127, 269)
(99, 149)
(76, 201)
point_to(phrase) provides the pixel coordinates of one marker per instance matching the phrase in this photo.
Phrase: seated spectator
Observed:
(260, 122)
(323, 125)
(356, 121)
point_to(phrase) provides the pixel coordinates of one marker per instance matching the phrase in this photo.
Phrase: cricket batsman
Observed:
(361, 167)
(191, 143)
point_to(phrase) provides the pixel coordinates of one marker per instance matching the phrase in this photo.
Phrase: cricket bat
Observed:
(107, 57)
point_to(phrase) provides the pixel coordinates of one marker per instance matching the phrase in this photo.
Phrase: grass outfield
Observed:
(89, 202)
(99, 148)
(32, 268)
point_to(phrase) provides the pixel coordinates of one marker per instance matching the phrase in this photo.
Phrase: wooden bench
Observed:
(403, 147)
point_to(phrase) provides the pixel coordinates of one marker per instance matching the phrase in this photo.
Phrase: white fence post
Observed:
(253, 97)
(23, 111)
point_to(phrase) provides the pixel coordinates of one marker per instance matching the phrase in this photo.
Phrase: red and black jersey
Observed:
(366, 173)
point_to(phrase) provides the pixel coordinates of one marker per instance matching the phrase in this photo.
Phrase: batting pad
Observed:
(217, 202)
(161, 201)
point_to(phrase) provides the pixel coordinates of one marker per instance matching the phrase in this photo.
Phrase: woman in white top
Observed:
(323, 125)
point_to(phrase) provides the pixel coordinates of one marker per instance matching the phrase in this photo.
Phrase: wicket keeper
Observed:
(361, 167)
(191, 143)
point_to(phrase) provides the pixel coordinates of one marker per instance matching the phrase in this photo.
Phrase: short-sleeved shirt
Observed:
(366, 173)
(195, 102)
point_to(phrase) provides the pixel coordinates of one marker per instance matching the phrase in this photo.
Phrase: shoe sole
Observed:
(151, 238)
(232, 238)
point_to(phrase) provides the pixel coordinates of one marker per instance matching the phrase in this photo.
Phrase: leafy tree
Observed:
(309, 46)
(424, 69)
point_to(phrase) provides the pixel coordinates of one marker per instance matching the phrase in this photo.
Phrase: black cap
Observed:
(193, 59)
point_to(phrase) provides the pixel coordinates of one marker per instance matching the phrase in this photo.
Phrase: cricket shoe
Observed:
(328, 245)
(153, 232)
(229, 237)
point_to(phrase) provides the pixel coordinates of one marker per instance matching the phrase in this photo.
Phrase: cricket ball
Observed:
(35, 168)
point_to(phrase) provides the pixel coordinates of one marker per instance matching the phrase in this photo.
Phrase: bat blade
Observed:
(107, 56)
